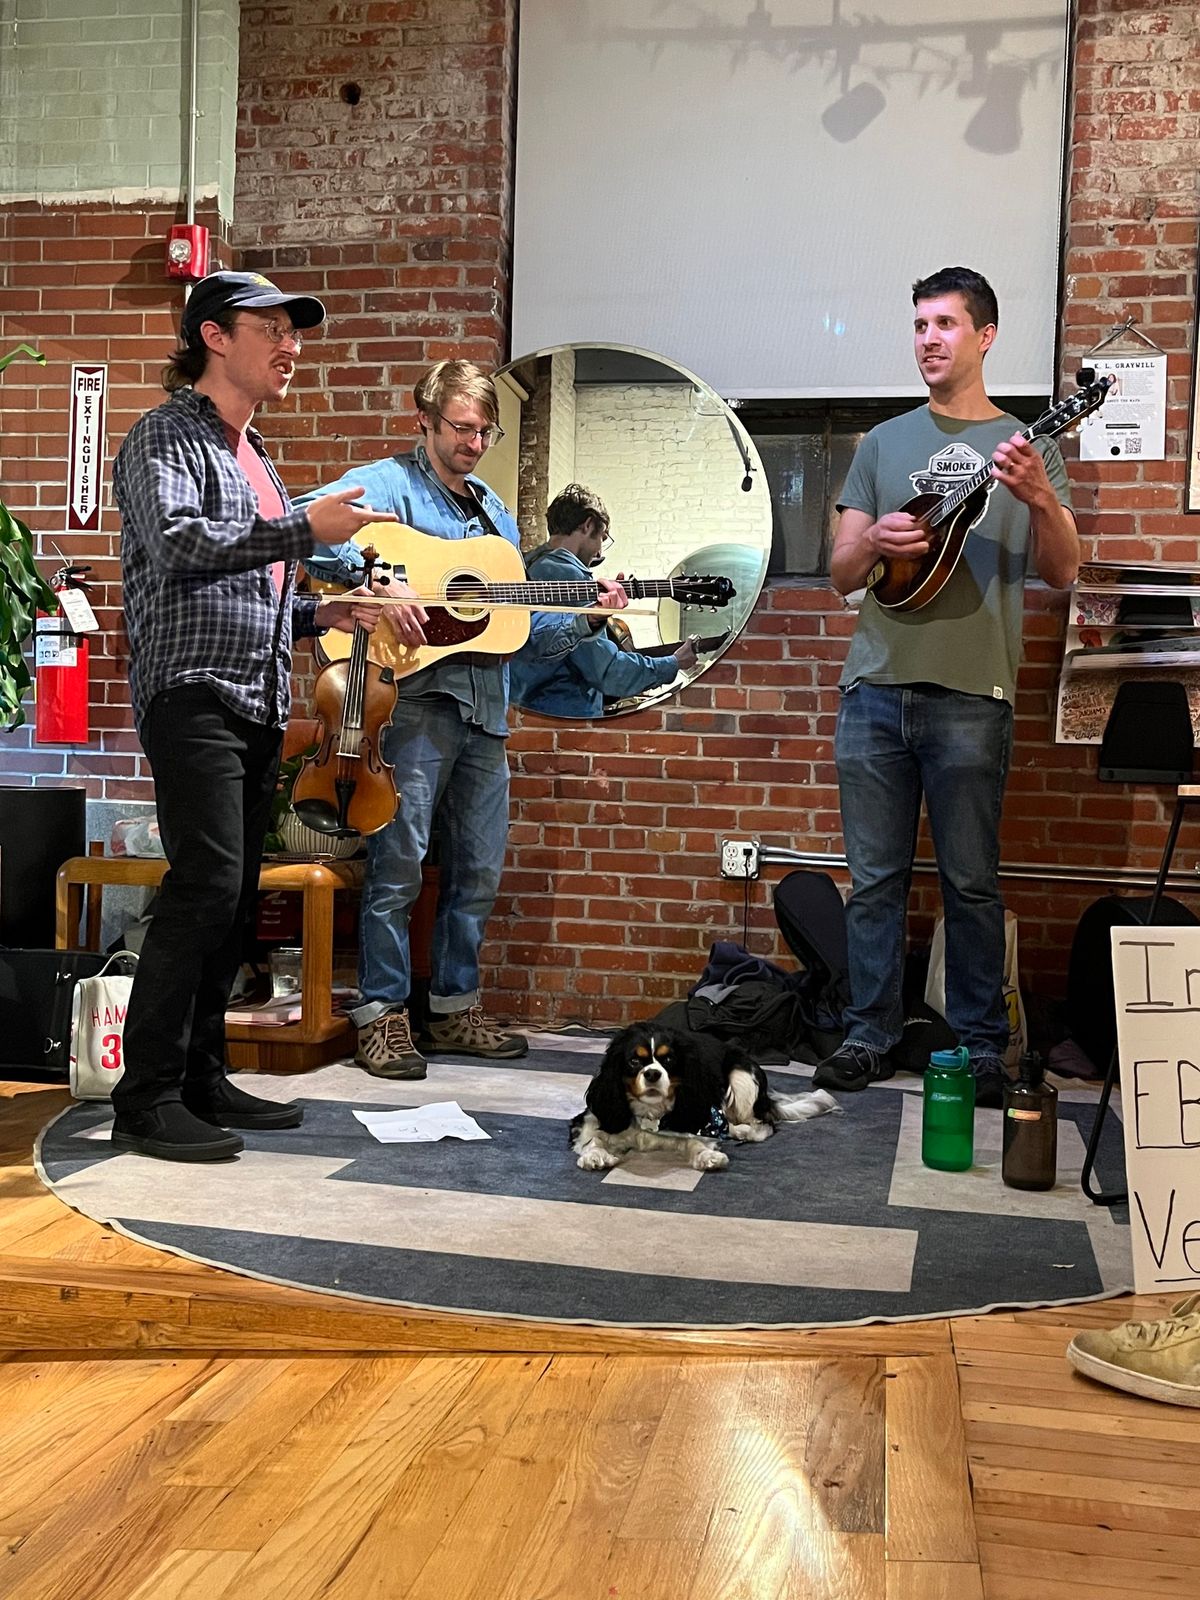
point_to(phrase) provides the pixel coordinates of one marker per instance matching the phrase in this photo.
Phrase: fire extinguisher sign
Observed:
(88, 386)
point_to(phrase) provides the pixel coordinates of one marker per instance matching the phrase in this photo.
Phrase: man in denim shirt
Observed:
(209, 543)
(446, 742)
(596, 669)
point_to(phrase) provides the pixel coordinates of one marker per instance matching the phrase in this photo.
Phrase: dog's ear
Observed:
(607, 1098)
(700, 1085)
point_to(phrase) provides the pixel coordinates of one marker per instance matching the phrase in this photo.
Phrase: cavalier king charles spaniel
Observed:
(664, 1089)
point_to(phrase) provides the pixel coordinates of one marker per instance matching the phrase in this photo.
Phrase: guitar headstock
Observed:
(1087, 398)
(702, 591)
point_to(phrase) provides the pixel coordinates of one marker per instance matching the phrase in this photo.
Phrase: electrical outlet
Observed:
(739, 858)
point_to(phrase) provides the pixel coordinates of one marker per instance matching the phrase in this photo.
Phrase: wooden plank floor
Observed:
(175, 1433)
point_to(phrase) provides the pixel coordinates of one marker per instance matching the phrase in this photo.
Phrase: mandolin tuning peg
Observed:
(1084, 376)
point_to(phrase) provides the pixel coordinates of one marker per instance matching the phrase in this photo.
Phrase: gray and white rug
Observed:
(831, 1221)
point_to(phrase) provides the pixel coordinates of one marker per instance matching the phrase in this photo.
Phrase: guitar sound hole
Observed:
(461, 590)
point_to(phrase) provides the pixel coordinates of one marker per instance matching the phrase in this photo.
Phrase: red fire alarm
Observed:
(187, 251)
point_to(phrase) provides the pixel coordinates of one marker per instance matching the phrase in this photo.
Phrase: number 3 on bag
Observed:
(97, 1055)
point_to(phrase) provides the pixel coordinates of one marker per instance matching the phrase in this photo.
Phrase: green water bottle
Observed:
(948, 1114)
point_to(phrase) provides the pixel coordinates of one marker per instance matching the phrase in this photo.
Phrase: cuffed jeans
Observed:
(214, 779)
(893, 744)
(452, 771)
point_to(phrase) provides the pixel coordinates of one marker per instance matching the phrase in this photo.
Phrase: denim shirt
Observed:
(577, 685)
(200, 603)
(410, 488)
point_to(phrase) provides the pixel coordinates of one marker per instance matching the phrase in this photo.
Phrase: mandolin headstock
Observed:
(1087, 398)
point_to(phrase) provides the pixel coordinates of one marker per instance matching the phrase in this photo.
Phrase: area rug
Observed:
(832, 1221)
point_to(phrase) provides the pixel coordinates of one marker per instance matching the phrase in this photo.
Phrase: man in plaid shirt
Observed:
(209, 545)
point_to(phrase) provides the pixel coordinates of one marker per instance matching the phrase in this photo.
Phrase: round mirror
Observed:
(617, 461)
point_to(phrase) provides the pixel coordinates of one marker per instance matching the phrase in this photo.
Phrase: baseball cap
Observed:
(251, 290)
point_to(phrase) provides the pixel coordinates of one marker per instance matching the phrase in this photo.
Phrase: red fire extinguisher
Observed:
(61, 661)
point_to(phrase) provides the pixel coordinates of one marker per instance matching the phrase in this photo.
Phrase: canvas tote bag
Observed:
(935, 987)
(97, 1053)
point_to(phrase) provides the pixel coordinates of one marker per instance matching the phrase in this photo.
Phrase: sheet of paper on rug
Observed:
(445, 1119)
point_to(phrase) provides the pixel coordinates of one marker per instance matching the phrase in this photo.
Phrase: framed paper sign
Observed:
(1191, 482)
(1156, 978)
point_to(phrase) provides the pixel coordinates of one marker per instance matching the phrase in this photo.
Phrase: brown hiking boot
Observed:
(386, 1049)
(469, 1033)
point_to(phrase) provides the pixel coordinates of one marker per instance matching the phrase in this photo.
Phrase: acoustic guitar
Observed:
(901, 583)
(478, 597)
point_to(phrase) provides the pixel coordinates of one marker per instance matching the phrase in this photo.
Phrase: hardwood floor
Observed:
(172, 1433)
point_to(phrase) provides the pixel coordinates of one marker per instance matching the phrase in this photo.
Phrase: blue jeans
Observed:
(450, 770)
(893, 744)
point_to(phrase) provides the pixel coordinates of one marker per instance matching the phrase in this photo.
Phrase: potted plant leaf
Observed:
(23, 592)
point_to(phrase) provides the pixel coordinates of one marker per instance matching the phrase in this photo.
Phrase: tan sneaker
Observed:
(1158, 1360)
(469, 1033)
(386, 1049)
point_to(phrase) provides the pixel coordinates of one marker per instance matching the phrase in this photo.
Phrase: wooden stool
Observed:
(319, 1036)
(1188, 794)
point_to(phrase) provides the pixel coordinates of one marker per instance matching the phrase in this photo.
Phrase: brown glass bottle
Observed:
(1030, 1128)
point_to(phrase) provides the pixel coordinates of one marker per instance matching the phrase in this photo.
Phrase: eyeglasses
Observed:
(487, 436)
(277, 332)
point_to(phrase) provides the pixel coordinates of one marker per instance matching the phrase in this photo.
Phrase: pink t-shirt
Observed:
(270, 503)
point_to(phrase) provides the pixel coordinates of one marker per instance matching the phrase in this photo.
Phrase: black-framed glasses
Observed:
(488, 436)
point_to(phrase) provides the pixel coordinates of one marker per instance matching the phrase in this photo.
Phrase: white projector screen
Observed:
(750, 188)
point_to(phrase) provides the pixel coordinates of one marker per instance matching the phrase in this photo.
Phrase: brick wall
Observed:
(374, 159)
(82, 284)
(614, 862)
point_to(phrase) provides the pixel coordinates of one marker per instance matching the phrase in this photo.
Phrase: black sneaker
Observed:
(171, 1133)
(224, 1105)
(990, 1079)
(851, 1067)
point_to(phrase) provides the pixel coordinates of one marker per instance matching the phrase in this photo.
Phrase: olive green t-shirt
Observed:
(968, 637)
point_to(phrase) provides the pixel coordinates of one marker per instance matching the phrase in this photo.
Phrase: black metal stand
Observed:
(1187, 794)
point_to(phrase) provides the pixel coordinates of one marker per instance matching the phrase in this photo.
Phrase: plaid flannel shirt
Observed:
(201, 605)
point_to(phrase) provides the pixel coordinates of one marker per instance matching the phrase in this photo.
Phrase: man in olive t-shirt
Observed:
(927, 695)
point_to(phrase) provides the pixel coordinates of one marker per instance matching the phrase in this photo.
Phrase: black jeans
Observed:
(214, 777)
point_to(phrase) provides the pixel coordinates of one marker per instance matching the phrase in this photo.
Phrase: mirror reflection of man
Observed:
(447, 744)
(598, 668)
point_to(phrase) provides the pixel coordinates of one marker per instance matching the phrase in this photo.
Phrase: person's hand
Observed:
(685, 655)
(1020, 468)
(405, 621)
(611, 596)
(333, 519)
(341, 613)
(898, 534)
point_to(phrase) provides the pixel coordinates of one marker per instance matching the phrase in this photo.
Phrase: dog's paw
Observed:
(710, 1160)
(750, 1132)
(595, 1160)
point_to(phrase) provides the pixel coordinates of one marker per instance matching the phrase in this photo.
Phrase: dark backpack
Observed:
(1091, 1004)
(812, 920)
(758, 1014)
(36, 990)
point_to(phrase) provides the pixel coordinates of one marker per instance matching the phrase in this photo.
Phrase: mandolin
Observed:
(901, 583)
(478, 597)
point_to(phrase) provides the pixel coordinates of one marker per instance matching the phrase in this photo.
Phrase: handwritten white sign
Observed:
(1156, 975)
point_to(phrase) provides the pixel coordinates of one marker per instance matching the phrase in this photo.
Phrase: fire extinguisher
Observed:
(61, 661)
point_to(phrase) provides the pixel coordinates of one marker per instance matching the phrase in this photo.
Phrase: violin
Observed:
(347, 786)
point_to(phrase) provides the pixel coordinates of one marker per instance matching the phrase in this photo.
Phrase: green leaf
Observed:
(23, 350)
